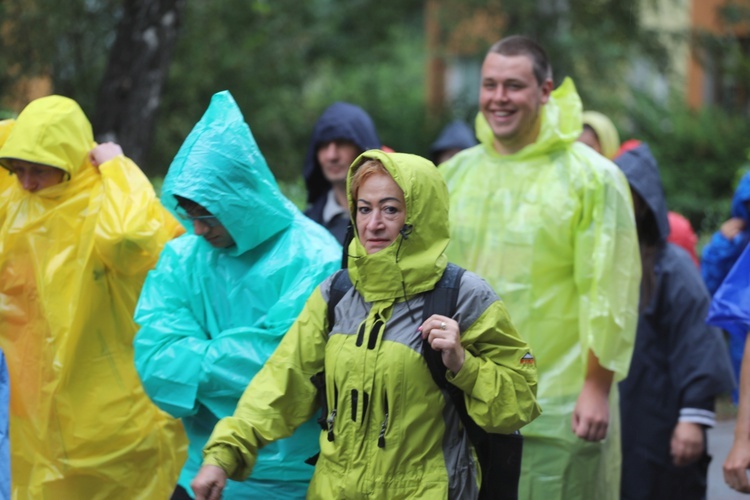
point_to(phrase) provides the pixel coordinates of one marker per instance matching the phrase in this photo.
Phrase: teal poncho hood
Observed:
(415, 261)
(220, 167)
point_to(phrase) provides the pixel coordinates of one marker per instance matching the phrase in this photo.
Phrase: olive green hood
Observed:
(415, 261)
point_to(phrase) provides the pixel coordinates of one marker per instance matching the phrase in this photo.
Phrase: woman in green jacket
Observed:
(390, 432)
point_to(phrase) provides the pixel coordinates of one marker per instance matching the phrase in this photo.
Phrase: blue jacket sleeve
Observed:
(718, 258)
(4, 436)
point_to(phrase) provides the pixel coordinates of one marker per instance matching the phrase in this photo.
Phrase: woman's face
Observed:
(381, 212)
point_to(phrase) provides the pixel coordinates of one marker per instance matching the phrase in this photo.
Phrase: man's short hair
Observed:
(518, 45)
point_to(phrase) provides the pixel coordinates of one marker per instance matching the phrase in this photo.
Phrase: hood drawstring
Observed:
(405, 233)
(347, 239)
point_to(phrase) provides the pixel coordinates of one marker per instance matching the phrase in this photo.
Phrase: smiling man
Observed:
(549, 224)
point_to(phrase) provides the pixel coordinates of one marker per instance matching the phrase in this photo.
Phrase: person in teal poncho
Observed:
(549, 224)
(223, 295)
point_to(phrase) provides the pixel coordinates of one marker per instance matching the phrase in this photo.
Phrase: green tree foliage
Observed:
(699, 154)
(285, 61)
(67, 41)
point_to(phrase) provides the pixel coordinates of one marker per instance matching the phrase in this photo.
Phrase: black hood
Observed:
(455, 135)
(642, 172)
(340, 120)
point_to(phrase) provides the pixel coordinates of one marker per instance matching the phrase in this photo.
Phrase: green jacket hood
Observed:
(52, 131)
(415, 261)
(561, 124)
(220, 167)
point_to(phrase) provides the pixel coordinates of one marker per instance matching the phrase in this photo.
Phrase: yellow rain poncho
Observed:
(6, 180)
(551, 229)
(606, 132)
(73, 257)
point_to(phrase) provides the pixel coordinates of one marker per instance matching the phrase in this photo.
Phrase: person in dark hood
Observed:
(340, 135)
(679, 365)
(455, 137)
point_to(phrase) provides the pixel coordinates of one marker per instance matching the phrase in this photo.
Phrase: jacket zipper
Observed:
(384, 426)
(332, 416)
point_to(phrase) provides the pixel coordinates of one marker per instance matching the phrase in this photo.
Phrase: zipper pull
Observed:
(381, 437)
(330, 420)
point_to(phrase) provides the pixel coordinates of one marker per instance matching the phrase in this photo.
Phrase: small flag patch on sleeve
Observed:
(528, 359)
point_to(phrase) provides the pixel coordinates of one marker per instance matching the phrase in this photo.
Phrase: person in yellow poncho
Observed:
(549, 224)
(79, 229)
(600, 134)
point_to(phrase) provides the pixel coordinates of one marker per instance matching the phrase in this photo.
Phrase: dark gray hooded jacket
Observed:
(679, 364)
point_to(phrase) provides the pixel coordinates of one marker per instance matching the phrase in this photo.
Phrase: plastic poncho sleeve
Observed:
(605, 240)
(4, 435)
(132, 225)
(184, 360)
(499, 389)
(279, 399)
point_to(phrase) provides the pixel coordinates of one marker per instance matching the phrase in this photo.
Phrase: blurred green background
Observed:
(671, 72)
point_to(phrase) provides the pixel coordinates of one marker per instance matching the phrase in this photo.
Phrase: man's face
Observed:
(335, 157)
(510, 99)
(207, 226)
(34, 176)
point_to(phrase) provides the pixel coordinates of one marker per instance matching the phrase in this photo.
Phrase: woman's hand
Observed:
(209, 483)
(443, 335)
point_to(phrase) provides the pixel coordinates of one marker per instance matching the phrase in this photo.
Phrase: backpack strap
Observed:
(443, 300)
(499, 454)
(340, 284)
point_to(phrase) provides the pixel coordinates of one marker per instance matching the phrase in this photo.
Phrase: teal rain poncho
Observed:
(211, 317)
(551, 228)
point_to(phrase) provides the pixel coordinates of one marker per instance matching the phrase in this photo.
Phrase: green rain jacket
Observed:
(210, 317)
(551, 228)
(390, 432)
(73, 257)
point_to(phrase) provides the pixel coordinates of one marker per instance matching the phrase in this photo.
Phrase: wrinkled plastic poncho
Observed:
(390, 433)
(210, 317)
(73, 257)
(551, 228)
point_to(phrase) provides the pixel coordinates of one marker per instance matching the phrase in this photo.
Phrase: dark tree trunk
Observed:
(130, 92)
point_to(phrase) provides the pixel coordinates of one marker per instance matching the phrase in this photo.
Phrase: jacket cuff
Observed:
(221, 456)
(698, 416)
(467, 375)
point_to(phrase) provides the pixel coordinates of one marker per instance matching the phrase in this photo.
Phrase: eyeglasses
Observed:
(208, 220)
